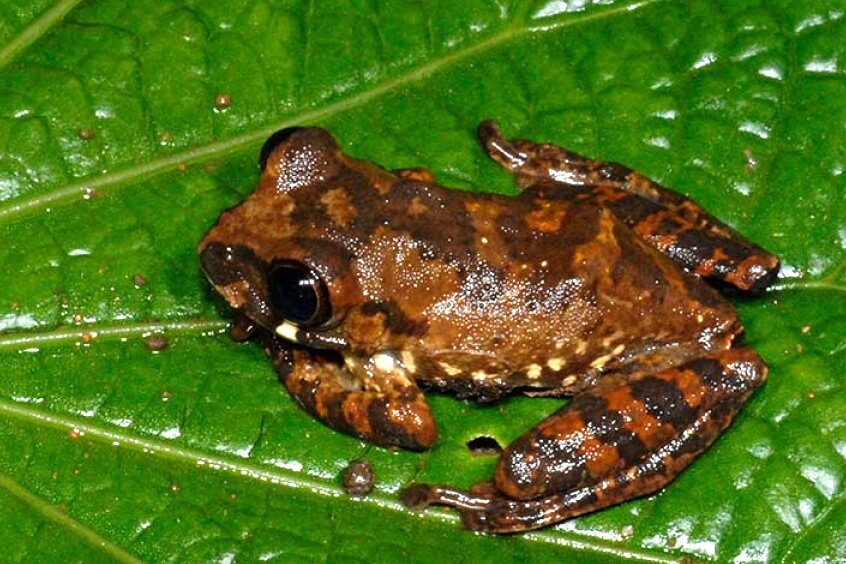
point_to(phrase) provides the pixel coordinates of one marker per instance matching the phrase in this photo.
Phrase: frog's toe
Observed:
(502, 151)
(417, 496)
(421, 496)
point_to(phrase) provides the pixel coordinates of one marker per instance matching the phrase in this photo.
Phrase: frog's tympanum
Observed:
(365, 285)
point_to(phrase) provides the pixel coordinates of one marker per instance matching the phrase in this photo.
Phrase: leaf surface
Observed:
(114, 160)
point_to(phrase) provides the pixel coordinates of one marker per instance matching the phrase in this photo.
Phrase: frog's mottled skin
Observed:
(586, 284)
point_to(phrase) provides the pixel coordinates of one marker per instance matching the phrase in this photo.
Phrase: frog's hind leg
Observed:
(388, 409)
(674, 224)
(608, 445)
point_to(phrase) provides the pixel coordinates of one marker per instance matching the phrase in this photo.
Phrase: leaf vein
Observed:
(52, 513)
(36, 30)
(257, 471)
(22, 207)
(28, 340)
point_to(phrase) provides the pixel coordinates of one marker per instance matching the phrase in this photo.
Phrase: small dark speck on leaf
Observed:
(484, 446)
(139, 280)
(358, 477)
(156, 343)
(182, 167)
(86, 133)
(222, 101)
(751, 161)
(165, 395)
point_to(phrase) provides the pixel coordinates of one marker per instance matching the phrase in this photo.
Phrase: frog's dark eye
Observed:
(297, 294)
(272, 142)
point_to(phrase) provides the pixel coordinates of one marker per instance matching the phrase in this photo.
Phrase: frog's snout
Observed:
(230, 270)
(216, 264)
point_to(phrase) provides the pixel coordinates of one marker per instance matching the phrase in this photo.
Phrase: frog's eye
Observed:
(298, 294)
(272, 142)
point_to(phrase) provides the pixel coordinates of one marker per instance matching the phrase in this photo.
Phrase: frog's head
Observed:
(274, 256)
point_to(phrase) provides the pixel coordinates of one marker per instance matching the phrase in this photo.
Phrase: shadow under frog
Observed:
(363, 284)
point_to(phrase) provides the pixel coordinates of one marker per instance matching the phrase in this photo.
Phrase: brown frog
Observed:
(363, 283)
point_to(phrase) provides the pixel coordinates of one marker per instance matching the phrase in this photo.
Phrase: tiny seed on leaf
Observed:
(222, 101)
(358, 477)
(157, 343)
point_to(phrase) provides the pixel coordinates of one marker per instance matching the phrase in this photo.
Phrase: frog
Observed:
(368, 287)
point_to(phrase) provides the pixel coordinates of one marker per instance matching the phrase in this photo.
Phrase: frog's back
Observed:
(500, 286)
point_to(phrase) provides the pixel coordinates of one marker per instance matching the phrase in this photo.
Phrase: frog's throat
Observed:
(313, 339)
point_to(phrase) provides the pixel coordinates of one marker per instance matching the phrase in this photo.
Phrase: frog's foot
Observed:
(672, 223)
(421, 174)
(608, 445)
(386, 408)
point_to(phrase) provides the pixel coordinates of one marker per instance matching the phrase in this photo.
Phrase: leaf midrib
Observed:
(96, 333)
(16, 209)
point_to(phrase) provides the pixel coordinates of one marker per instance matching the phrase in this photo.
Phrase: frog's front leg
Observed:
(608, 445)
(375, 400)
(675, 225)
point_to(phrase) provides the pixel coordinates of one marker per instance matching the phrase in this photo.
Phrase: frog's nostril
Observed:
(484, 445)
(213, 260)
(272, 142)
(224, 264)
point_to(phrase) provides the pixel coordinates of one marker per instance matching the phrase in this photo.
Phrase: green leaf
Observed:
(114, 161)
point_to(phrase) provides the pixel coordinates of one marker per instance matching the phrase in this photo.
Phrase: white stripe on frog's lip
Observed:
(289, 332)
(295, 334)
